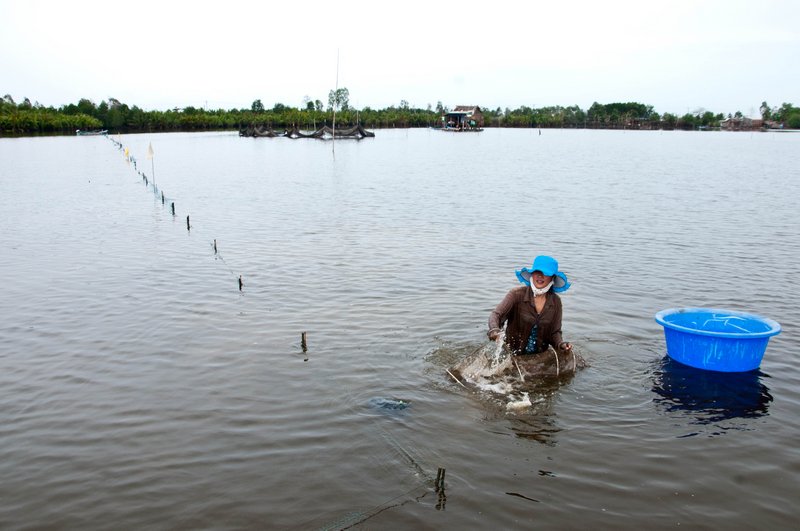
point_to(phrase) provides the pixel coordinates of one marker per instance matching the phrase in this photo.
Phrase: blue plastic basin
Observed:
(717, 340)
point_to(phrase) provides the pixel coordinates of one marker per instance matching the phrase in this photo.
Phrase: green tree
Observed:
(687, 121)
(257, 106)
(596, 114)
(115, 119)
(87, 107)
(783, 112)
(339, 99)
(669, 120)
(708, 119)
(102, 112)
(764, 109)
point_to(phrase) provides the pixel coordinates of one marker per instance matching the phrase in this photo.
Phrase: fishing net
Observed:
(356, 132)
(493, 368)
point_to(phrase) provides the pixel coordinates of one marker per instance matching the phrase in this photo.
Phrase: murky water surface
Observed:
(139, 388)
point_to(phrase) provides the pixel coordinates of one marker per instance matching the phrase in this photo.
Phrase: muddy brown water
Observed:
(139, 388)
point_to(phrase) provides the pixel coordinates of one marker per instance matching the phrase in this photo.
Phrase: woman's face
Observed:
(540, 280)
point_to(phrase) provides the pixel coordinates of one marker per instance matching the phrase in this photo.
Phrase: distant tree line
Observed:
(115, 116)
(26, 117)
(786, 115)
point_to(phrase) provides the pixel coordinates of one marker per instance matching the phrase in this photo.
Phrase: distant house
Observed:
(741, 124)
(463, 118)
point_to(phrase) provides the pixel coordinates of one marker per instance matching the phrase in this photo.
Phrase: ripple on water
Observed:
(135, 375)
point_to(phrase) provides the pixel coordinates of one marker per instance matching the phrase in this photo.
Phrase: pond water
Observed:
(140, 388)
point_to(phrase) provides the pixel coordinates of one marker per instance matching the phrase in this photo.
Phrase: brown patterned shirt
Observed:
(518, 309)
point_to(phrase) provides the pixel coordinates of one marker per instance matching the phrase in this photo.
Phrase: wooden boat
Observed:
(459, 129)
(91, 133)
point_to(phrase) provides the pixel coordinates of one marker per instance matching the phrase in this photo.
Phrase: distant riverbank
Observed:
(25, 119)
(390, 127)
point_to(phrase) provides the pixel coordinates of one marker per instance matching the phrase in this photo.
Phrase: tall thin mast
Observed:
(335, 103)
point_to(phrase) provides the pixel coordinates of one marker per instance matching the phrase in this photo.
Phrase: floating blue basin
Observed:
(716, 340)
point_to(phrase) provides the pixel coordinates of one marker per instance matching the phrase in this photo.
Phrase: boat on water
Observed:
(459, 129)
(91, 133)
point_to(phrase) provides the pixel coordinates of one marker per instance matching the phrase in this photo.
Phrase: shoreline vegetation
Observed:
(26, 118)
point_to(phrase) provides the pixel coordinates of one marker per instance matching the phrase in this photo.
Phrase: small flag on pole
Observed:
(150, 151)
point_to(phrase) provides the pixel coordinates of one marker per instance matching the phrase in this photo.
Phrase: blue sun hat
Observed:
(549, 267)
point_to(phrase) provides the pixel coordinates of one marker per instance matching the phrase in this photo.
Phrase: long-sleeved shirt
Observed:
(518, 308)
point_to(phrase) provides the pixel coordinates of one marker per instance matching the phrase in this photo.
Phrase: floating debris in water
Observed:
(500, 388)
(389, 403)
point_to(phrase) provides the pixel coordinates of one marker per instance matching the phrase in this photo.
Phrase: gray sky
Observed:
(680, 55)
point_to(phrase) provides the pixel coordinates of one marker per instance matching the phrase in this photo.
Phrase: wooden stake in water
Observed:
(173, 208)
(519, 371)
(303, 343)
(215, 249)
(440, 479)
(241, 284)
(188, 227)
(456, 379)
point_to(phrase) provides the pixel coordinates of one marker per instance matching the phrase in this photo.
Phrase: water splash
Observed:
(519, 382)
(498, 351)
(489, 368)
(523, 403)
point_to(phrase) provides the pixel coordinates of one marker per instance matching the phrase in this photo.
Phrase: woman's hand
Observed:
(565, 346)
(494, 334)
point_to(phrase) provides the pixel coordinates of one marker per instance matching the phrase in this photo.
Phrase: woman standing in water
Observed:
(532, 311)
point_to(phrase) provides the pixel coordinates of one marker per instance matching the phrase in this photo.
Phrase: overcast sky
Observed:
(679, 56)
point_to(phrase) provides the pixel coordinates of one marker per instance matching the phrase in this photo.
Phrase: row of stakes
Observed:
(303, 338)
(440, 473)
(163, 198)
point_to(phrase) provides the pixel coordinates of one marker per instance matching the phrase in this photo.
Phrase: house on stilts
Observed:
(464, 118)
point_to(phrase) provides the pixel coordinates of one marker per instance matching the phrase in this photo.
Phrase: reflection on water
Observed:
(538, 425)
(709, 396)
